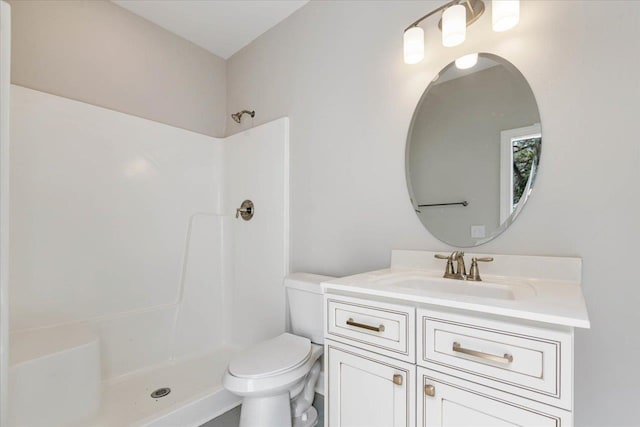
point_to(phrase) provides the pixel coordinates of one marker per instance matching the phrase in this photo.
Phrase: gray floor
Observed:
(228, 419)
(232, 417)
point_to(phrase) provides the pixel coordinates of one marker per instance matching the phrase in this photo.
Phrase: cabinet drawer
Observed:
(380, 327)
(521, 357)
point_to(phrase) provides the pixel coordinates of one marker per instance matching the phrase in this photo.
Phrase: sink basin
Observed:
(494, 288)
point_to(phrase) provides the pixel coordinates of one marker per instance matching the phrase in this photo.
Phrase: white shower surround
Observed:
(128, 225)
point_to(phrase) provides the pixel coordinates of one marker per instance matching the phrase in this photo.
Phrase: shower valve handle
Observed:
(245, 210)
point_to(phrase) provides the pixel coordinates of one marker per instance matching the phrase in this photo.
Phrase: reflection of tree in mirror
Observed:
(526, 153)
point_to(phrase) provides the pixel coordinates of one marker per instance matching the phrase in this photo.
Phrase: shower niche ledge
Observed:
(443, 352)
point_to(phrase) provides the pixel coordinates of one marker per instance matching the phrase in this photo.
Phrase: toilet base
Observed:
(309, 418)
(266, 411)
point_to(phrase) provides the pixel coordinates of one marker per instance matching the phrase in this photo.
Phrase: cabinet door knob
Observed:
(429, 390)
(397, 379)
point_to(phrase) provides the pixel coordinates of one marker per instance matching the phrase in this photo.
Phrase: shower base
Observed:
(196, 394)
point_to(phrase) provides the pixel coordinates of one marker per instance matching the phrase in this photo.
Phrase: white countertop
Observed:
(545, 299)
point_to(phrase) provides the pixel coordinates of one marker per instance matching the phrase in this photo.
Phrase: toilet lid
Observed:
(271, 357)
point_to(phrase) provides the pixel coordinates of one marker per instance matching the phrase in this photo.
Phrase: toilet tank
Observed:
(304, 299)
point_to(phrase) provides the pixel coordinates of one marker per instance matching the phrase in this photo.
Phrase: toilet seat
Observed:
(270, 358)
(279, 375)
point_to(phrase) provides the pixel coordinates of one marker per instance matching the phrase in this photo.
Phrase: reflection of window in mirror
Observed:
(520, 153)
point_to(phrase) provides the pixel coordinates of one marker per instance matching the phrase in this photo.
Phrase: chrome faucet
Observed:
(459, 273)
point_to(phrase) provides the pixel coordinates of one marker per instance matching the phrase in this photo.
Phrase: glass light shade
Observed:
(454, 25)
(505, 14)
(413, 45)
(467, 61)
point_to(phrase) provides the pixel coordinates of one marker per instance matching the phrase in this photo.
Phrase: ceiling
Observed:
(222, 27)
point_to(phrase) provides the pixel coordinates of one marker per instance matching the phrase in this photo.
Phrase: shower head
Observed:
(237, 116)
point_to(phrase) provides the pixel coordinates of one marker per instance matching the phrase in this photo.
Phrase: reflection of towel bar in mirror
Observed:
(463, 203)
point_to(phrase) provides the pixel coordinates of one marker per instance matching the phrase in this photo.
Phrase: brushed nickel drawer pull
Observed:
(397, 379)
(351, 322)
(506, 359)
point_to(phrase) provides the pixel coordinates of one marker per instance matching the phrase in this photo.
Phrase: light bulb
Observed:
(413, 45)
(467, 61)
(454, 25)
(505, 14)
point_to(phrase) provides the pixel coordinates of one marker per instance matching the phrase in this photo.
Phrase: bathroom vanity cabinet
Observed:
(369, 362)
(396, 360)
(466, 369)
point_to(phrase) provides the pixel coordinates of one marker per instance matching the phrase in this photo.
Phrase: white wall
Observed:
(336, 69)
(102, 54)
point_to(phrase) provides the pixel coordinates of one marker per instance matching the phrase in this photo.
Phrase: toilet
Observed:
(277, 377)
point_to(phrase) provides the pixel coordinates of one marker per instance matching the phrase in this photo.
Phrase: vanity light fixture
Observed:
(413, 45)
(467, 61)
(505, 14)
(454, 25)
(457, 15)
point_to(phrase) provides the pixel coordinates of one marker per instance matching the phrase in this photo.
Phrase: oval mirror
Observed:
(473, 151)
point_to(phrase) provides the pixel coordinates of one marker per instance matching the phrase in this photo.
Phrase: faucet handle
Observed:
(474, 271)
(448, 272)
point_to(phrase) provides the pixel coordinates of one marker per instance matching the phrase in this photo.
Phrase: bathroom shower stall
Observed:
(130, 272)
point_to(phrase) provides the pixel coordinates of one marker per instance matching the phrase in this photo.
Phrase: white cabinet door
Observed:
(368, 390)
(447, 404)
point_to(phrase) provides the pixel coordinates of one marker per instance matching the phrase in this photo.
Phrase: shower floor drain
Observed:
(161, 392)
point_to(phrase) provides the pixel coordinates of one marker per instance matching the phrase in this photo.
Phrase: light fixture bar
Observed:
(433, 12)
(458, 14)
(475, 9)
